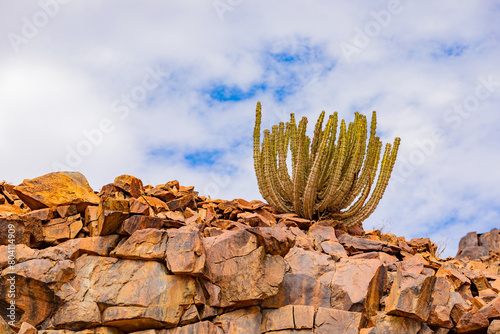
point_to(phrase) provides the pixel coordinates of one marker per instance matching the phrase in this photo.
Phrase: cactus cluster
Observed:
(331, 177)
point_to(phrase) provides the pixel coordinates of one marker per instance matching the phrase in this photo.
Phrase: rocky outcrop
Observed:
(139, 259)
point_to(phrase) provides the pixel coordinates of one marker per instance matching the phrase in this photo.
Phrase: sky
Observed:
(166, 90)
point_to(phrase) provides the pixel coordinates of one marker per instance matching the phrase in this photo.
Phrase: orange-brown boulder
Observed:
(55, 189)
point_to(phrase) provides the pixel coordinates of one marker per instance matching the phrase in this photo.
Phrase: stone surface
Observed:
(494, 327)
(332, 321)
(389, 324)
(243, 321)
(26, 230)
(472, 321)
(148, 244)
(353, 245)
(241, 269)
(111, 213)
(55, 189)
(350, 282)
(62, 229)
(410, 296)
(185, 253)
(129, 184)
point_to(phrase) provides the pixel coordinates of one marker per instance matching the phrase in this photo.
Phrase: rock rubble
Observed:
(164, 260)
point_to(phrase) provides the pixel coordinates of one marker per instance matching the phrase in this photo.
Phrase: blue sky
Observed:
(167, 90)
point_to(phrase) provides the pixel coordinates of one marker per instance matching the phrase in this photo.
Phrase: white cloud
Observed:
(66, 78)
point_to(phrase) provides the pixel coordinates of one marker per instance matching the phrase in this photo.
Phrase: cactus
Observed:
(331, 177)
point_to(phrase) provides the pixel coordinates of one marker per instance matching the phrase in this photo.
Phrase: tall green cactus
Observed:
(330, 177)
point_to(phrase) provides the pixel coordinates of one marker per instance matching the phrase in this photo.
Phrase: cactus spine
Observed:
(331, 177)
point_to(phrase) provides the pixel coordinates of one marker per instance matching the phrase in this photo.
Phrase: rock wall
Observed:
(163, 260)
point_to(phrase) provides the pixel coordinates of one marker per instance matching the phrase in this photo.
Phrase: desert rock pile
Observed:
(164, 260)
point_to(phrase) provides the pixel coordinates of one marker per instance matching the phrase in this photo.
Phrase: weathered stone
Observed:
(354, 244)
(62, 229)
(35, 300)
(300, 289)
(55, 189)
(164, 195)
(276, 240)
(66, 210)
(303, 316)
(383, 257)
(494, 327)
(129, 184)
(441, 308)
(148, 244)
(374, 295)
(204, 327)
(253, 219)
(301, 223)
(389, 324)
(26, 230)
(156, 205)
(334, 249)
(138, 222)
(77, 315)
(42, 214)
(111, 213)
(4, 326)
(332, 321)
(7, 210)
(309, 262)
(277, 319)
(492, 309)
(241, 269)
(350, 283)
(472, 321)
(139, 208)
(410, 296)
(26, 328)
(243, 321)
(182, 203)
(184, 252)
(422, 245)
(321, 233)
(458, 306)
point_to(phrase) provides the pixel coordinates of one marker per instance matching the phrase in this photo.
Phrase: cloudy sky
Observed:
(167, 90)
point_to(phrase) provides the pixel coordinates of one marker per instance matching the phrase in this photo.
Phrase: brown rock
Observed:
(410, 296)
(35, 300)
(309, 262)
(277, 319)
(492, 309)
(334, 249)
(354, 244)
(185, 253)
(332, 321)
(494, 327)
(472, 321)
(137, 222)
(301, 223)
(441, 307)
(350, 283)
(389, 324)
(147, 244)
(204, 327)
(111, 213)
(62, 229)
(138, 207)
(182, 203)
(422, 245)
(66, 210)
(164, 195)
(156, 205)
(129, 184)
(55, 189)
(7, 210)
(42, 214)
(374, 295)
(26, 328)
(276, 240)
(243, 321)
(321, 233)
(4, 327)
(77, 315)
(241, 269)
(300, 289)
(27, 230)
